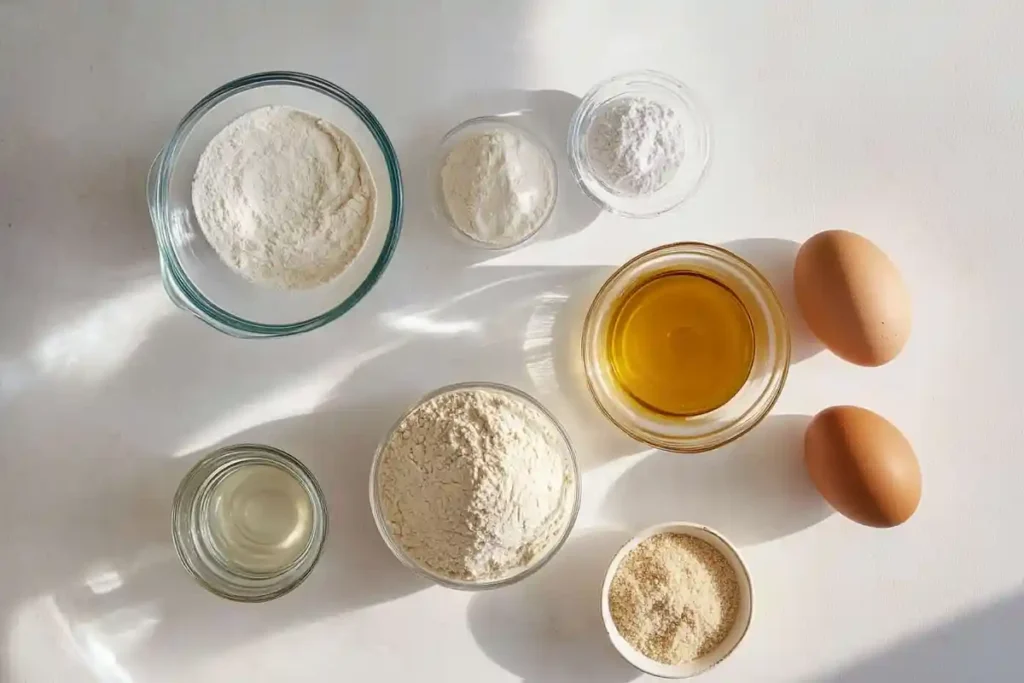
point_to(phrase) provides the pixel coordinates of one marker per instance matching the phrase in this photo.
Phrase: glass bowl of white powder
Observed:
(639, 144)
(475, 487)
(277, 205)
(496, 183)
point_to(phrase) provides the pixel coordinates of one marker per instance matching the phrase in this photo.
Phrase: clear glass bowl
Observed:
(197, 546)
(475, 126)
(767, 374)
(668, 92)
(194, 276)
(382, 526)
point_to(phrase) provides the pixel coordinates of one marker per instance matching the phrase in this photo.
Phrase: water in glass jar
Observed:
(260, 519)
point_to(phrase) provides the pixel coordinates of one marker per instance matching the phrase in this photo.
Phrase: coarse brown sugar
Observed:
(674, 597)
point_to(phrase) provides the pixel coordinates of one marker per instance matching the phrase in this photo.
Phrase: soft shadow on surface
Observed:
(128, 527)
(979, 646)
(107, 240)
(97, 441)
(753, 490)
(136, 390)
(99, 558)
(549, 626)
(775, 259)
(516, 325)
(554, 363)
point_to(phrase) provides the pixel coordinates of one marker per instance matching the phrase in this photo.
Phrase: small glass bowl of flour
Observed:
(639, 144)
(495, 183)
(475, 487)
(277, 204)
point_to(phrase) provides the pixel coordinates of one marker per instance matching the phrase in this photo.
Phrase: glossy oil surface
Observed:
(681, 344)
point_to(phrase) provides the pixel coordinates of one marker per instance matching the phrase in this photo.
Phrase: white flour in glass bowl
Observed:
(284, 198)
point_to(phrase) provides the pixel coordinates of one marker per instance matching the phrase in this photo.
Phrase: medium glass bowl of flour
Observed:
(475, 487)
(496, 183)
(277, 205)
(639, 144)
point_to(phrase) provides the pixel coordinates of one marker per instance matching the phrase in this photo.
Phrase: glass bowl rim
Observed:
(722, 544)
(459, 584)
(717, 253)
(441, 156)
(576, 135)
(273, 455)
(175, 278)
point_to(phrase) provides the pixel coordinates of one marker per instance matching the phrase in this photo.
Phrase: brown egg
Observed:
(863, 466)
(852, 297)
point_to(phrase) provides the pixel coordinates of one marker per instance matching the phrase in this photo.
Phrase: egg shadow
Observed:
(753, 490)
(549, 626)
(775, 259)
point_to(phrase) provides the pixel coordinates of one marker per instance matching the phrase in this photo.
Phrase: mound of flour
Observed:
(474, 485)
(284, 198)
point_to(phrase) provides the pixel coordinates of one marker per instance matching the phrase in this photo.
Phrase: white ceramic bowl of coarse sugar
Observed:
(677, 600)
(475, 487)
(639, 144)
(495, 183)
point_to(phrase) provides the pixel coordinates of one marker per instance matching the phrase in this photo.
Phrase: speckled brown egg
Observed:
(852, 297)
(863, 466)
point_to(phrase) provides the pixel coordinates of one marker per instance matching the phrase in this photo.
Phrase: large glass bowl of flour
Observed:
(198, 280)
(475, 487)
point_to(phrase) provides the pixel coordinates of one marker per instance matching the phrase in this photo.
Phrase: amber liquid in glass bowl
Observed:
(686, 347)
(680, 343)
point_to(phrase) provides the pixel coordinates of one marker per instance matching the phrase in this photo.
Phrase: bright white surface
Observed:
(901, 120)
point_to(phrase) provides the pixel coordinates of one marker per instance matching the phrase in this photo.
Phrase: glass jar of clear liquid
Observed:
(249, 522)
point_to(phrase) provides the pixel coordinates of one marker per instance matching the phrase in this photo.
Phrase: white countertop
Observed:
(900, 120)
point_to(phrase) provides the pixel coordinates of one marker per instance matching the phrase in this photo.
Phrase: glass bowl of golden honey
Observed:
(686, 347)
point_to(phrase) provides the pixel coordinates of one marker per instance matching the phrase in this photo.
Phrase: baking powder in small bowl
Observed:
(639, 144)
(497, 182)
